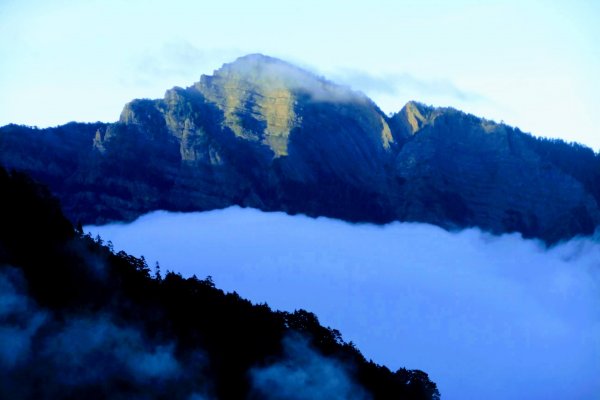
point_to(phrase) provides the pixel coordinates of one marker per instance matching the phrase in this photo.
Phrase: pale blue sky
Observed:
(532, 64)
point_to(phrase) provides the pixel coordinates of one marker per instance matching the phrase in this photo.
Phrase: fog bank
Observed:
(499, 317)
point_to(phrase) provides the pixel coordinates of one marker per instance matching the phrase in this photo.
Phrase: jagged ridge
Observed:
(263, 133)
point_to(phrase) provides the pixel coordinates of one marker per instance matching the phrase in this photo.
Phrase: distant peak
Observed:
(416, 114)
(269, 90)
(260, 73)
(417, 106)
(261, 69)
(253, 62)
(258, 58)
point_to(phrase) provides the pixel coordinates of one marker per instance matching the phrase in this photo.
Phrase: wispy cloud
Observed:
(400, 83)
(183, 61)
(177, 60)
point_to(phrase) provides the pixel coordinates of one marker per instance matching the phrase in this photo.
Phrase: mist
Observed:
(276, 74)
(48, 356)
(500, 317)
(303, 374)
(402, 85)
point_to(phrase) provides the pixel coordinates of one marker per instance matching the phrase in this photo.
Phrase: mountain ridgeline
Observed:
(263, 133)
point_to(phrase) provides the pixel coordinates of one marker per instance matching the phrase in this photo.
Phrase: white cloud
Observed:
(176, 62)
(499, 317)
(402, 83)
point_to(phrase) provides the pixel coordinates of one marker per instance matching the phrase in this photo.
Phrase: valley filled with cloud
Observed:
(485, 316)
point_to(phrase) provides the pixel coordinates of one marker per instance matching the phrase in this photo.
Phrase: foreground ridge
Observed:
(81, 321)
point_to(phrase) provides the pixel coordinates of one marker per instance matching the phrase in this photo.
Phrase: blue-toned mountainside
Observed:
(262, 133)
(80, 321)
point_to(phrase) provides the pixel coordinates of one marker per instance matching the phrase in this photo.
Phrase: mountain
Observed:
(78, 320)
(263, 133)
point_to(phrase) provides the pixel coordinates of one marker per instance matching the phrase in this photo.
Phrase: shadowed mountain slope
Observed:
(78, 320)
(263, 133)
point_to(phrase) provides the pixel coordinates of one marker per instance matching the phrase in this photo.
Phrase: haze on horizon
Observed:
(531, 64)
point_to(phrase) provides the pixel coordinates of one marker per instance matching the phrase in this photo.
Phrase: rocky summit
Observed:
(263, 133)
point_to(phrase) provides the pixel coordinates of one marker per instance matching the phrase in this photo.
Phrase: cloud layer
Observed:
(499, 317)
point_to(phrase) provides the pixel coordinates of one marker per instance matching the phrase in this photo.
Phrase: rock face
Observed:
(262, 133)
(473, 172)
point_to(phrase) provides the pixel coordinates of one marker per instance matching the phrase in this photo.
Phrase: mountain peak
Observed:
(263, 133)
(412, 118)
(258, 59)
(265, 71)
(417, 114)
(258, 89)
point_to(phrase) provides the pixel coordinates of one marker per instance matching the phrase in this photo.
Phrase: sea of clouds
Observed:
(493, 317)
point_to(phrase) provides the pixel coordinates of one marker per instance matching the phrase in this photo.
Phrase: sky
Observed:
(485, 316)
(531, 64)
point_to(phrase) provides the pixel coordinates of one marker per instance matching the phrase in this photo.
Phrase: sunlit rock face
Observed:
(256, 98)
(261, 132)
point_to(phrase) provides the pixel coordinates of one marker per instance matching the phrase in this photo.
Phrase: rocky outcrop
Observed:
(460, 170)
(260, 132)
